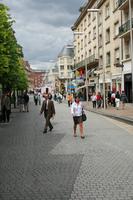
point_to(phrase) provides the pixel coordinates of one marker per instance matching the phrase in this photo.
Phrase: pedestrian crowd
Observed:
(23, 102)
(113, 99)
(48, 109)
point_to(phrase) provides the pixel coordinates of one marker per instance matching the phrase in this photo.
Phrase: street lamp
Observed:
(86, 75)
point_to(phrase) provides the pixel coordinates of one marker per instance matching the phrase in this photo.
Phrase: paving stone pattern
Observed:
(57, 166)
(27, 169)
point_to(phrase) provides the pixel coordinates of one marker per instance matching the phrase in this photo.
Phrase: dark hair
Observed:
(50, 96)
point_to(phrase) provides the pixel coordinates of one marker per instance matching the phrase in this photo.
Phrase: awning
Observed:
(83, 86)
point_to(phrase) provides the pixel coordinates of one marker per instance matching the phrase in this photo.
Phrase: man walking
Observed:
(49, 111)
(26, 102)
(6, 107)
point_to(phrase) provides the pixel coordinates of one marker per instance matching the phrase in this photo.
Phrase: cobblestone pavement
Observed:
(57, 166)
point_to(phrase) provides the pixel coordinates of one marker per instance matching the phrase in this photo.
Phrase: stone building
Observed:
(103, 45)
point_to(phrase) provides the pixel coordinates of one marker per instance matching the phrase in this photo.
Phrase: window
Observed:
(86, 54)
(61, 67)
(81, 27)
(101, 61)
(93, 16)
(116, 4)
(84, 24)
(94, 51)
(116, 29)
(108, 35)
(117, 55)
(61, 60)
(90, 52)
(89, 19)
(108, 58)
(69, 67)
(89, 36)
(70, 60)
(100, 18)
(78, 46)
(69, 74)
(82, 44)
(107, 11)
(100, 40)
(62, 74)
(94, 32)
(127, 48)
(85, 40)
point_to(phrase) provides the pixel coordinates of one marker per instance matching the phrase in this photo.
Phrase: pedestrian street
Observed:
(58, 166)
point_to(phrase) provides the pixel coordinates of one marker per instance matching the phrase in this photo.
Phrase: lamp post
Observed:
(86, 77)
(98, 11)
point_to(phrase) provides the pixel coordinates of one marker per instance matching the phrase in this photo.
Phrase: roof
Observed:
(67, 50)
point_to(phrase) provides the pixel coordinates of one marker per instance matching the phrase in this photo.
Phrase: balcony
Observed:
(123, 4)
(125, 28)
(91, 61)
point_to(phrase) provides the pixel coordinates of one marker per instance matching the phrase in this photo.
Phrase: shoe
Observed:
(82, 137)
(45, 131)
(51, 129)
(74, 135)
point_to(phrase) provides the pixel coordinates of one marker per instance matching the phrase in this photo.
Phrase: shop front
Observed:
(128, 86)
(116, 85)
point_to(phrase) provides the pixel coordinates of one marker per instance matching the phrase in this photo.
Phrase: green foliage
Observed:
(12, 72)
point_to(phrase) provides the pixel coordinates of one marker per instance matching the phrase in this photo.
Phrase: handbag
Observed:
(84, 118)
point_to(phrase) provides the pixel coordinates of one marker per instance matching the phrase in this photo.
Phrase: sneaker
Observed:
(51, 129)
(74, 135)
(45, 131)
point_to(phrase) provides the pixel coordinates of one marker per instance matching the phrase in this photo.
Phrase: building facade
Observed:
(65, 64)
(100, 53)
(51, 79)
(29, 72)
(37, 78)
(125, 7)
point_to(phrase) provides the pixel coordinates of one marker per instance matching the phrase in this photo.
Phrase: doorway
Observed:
(128, 86)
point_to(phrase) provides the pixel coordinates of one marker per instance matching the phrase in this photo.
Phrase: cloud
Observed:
(43, 27)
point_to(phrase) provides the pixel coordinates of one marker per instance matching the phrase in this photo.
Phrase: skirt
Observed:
(77, 119)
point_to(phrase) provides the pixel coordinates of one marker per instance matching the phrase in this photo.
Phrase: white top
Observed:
(113, 95)
(76, 109)
(93, 97)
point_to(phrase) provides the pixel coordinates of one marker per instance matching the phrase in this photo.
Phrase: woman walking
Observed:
(94, 99)
(123, 99)
(77, 110)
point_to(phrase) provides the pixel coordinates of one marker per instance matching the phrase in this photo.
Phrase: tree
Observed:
(12, 74)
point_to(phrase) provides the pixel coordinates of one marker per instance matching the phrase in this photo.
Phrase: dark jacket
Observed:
(124, 98)
(26, 98)
(50, 109)
(5, 102)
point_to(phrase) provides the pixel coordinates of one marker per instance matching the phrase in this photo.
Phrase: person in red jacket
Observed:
(99, 100)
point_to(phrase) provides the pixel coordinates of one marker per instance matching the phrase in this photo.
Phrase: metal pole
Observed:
(86, 75)
(86, 81)
(131, 37)
(121, 58)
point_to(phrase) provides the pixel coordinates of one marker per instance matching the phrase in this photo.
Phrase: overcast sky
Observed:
(43, 27)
